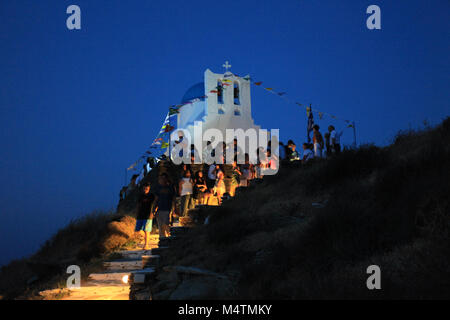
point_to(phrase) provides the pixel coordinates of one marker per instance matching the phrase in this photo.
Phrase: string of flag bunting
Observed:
(282, 94)
(162, 139)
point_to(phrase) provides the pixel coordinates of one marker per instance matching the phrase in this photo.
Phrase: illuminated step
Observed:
(109, 277)
(128, 265)
(133, 254)
(140, 276)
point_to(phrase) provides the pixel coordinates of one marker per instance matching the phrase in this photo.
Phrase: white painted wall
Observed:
(208, 111)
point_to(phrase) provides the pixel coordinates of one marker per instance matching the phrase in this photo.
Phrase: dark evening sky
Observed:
(78, 107)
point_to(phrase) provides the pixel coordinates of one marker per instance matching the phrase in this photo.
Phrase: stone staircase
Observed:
(131, 266)
(128, 276)
(175, 282)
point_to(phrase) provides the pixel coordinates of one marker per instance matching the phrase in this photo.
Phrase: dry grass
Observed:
(84, 242)
(385, 206)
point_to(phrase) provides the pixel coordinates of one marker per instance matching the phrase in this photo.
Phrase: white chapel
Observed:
(227, 106)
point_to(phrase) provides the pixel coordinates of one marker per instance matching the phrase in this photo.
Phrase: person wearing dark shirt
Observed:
(201, 192)
(144, 217)
(165, 195)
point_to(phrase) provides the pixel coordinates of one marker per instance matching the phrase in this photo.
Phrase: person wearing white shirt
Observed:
(335, 140)
(186, 191)
(307, 153)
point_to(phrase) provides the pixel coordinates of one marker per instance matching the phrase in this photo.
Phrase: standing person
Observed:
(317, 141)
(288, 150)
(144, 217)
(235, 178)
(236, 150)
(271, 161)
(335, 140)
(186, 191)
(123, 193)
(201, 193)
(164, 200)
(228, 170)
(307, 153)
(326, 135)
(261, 163)
(293, 154)
(219, 187)
(245, 172)
(212, 176)
(195, 167)
(132, 185)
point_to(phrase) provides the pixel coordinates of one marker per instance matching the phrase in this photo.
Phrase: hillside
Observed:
(308, 232)
(311, 232)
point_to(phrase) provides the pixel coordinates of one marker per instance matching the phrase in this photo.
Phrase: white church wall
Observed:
(208, 111)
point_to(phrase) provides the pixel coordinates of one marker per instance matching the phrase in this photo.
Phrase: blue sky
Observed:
(78, 107)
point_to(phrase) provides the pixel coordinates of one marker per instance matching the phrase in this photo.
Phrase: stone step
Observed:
(158, 251)
(134, 254)
(89, 292)
(175, 231)
(140, 276)
(116, 277)
(126, 264)
(150, 261)
(166, 241)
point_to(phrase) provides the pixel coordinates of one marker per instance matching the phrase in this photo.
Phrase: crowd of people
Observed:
(203, 184)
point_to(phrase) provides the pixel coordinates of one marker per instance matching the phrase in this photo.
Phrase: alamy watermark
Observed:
(73, 22)
(250, 146)
(74, 280)
(374, 20)
(374, 280)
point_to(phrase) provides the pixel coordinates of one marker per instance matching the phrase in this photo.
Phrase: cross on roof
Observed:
(226, 66)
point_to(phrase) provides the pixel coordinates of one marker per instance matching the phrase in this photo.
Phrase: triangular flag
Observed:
(164, 145)
(281, 93)
(258, 83)
(168, 128)
(132, 166)
(269, 89)
(173, 111)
